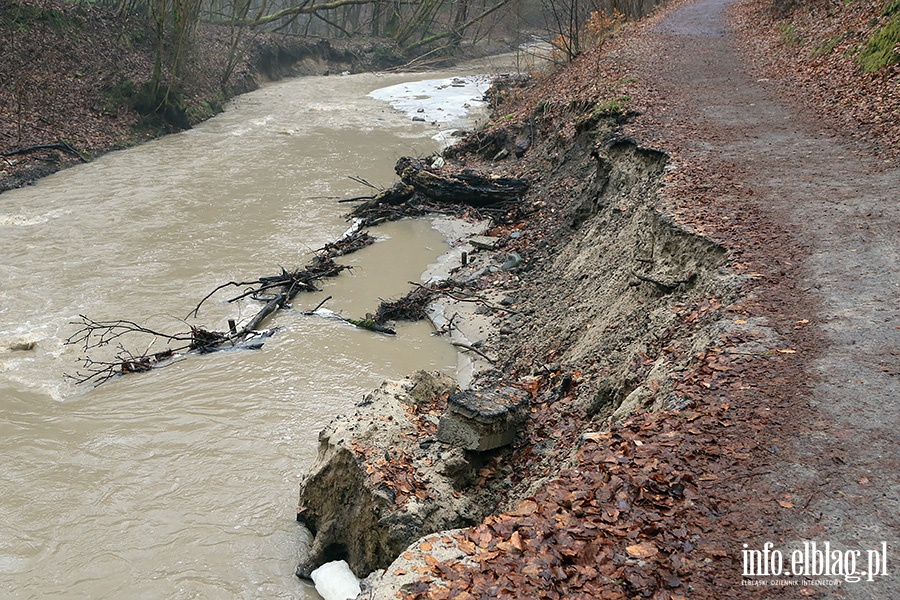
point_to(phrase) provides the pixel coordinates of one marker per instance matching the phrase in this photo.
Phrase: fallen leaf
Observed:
(516, 541)
(525, 508)
(642, 550)
(467, 547)
(786, 504)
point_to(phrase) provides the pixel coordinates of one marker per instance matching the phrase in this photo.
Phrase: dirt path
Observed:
(827, 250)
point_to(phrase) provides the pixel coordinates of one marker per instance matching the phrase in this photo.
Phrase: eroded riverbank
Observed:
(647, 281)
(182, 481)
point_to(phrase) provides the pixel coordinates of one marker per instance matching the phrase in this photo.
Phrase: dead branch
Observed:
(664, 287)
(96, 334)
(472, 348)
(93, 335)
(423, 189)
(61, 145)
(446, 288)
(466, 187)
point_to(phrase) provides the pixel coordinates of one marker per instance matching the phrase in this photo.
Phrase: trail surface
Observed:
(824, 243)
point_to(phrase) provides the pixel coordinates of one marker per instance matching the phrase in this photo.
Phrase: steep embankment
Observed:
(729, 285)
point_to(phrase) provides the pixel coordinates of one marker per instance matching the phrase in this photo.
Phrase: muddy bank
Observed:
(592, 304)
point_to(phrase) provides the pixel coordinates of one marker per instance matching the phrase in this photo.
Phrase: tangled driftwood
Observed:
(276, 292)
(426, 189)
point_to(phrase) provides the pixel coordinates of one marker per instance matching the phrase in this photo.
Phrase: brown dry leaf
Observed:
(467, 547)
(425, 547)
(785, 504)
(430, 560)
(525, 508)
(516, 540)
(642, 550)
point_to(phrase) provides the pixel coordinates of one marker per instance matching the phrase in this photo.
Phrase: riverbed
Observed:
(181, 482)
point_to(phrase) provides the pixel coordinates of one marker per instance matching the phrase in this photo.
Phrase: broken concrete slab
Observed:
(482, 420)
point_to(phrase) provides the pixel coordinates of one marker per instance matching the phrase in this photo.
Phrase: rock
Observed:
(522, 147)
(512, 261)
(483, 420)
(376, 487)
(405, 571)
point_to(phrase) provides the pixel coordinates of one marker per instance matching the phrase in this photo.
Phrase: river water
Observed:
(181, 483)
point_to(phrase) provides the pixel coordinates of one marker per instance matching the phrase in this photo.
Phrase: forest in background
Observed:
(86, 77)
(80, 78)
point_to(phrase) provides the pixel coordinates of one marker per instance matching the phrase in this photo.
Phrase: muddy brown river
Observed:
(181, 483)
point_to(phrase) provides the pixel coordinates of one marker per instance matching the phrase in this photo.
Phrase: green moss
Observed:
(880, 49)
(611, 106)
(828, 46)
(788, 34)
(203, 110)
(118, 96)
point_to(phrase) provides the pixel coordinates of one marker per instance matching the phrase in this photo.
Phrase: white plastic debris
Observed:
(335, 581)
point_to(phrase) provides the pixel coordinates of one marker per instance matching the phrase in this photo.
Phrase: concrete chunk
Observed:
(483, 420)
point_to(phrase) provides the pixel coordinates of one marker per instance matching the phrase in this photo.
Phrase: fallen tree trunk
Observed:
(93, 335)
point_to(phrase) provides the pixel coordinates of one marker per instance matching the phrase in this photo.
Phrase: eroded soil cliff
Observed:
(703, 319)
